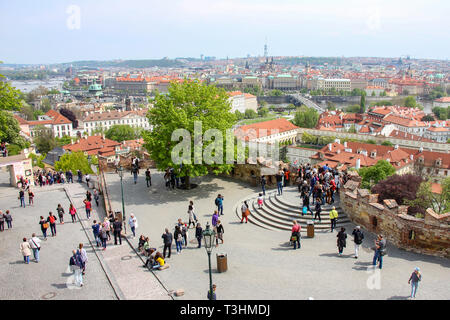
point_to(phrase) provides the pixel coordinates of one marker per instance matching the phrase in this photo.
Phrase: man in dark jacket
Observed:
(8, 219)
(358, 237)
(279, 178)
(2, 221)
(117, 226)
(168, 238)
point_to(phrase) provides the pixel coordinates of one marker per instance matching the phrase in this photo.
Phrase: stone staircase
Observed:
(278, 212)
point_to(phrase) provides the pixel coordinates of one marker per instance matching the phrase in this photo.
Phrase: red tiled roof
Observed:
(264, 128)
(92, 145)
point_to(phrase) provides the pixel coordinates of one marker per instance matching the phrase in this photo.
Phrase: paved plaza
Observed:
(261, 264)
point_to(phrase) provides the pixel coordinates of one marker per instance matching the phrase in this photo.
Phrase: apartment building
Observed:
(105, 120)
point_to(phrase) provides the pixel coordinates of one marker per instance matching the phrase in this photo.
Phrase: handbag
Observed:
(45, 225)
(247, 213)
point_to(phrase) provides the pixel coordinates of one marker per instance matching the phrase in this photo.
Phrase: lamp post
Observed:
(209, 237)
(120, 171)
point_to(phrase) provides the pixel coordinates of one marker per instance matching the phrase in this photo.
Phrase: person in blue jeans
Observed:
(178, 239)
(22, 198)
(96, 231)
(380, 249)
(279, 178)
(219, 204)
(263, 184)
(414, 281)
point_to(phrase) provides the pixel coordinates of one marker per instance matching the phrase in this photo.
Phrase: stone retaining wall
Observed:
(430, 235)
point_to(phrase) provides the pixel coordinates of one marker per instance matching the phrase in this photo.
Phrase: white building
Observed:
(53, 121)
(242, 101)
(105, 120)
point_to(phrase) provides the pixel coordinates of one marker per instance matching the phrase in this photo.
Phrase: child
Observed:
(260, 200)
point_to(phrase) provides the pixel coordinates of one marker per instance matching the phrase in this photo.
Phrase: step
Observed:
(326, 207)
(261, 225)
(274, 205)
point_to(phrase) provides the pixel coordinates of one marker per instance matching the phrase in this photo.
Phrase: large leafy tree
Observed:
(73, 161)
(121, 132)
(184, 104)
(426, 198)
(373, 174)
(410, 102)
(306, 117)
(9, 96)
(362, 104)
(44, 139)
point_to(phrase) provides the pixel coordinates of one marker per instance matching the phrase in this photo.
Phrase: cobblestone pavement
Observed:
(50, 278)
(261, 264)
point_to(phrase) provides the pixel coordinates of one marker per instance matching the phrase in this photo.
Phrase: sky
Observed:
(55, 31)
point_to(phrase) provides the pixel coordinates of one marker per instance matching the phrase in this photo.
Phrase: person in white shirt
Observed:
(35, 244)
(133, 224)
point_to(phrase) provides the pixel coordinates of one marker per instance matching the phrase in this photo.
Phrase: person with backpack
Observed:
(219, 204)
(52, 220)
(380, 251)
(35, 244)
(60, 211)
(44, 226)
(76, 266)
(295, 234)
(414, 281)
(167, 238)
(341, 240)
(358, 237)
(22, 197)
(199, 234)
(73, 212)
(84, 258)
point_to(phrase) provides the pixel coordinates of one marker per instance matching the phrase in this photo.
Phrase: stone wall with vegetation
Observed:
(430, 235)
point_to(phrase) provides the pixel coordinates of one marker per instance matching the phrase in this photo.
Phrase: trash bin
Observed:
(222, 262)
(310, 229)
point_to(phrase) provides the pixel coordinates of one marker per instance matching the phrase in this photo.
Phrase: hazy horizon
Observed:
(51, 32)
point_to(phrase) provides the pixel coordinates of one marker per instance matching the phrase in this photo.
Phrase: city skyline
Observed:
(65, 31)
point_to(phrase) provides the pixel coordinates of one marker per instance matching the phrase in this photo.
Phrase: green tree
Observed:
(37, 160)
(373, 174)
(425, 198)
(309, 138)
(10, 130)
(383, 94)
(263, 112)
(410, 102)
(387, 143)
(362, 104)
(10, 97)
(371, 141)
(184, 104)
(73, 161)
(306, 117)
(65, 140)
(250, 114)
(441, 112)
(276, 93)
(353, 108)
(45, 105)
(239, 115)
(121, 132)
(44, 139)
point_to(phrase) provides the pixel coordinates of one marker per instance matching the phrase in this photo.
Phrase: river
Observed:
(28, 85)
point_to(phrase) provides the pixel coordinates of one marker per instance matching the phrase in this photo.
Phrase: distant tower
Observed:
(201, 57)
(265, 49)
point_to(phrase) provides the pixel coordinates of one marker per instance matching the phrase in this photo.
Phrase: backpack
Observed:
(304, 210)
(217, 202)
(52, 219)
(359, 236)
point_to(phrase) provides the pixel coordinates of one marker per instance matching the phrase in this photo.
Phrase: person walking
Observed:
(22, 197)
(380, 251)
(44, 226)
(414, 279)
(215, 218)
(60, 211)
(245, 212)
(96, 196)
(52, 220)
(133, 223)
(191, 216)
(167, 238)
(104, 233)
(219, 204)
(318, 210)
(83, 256)
(88, 207)
(8, 219)
(76, 267)
(80, 176)
(2, 221)
(220, 232)
(107, 225)
(333, 217)
(73, 212)
(148, 178)
(178, 239)
(35, 244)
(185, 234)
(358, 237)
(263, 184)
(199, 234)
(117, 226)
(25, 249)
(30, 197)
(341, 240)
(96, 231)
(260, 200)
(88, 179)
(295, 234)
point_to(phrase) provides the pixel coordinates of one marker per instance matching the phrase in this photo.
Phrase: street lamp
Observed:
(120, 171)
(209, 237)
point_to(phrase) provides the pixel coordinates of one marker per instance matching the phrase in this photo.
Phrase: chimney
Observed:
(358, 164)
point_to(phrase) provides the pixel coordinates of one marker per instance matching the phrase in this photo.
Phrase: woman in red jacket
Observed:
(295, 235)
